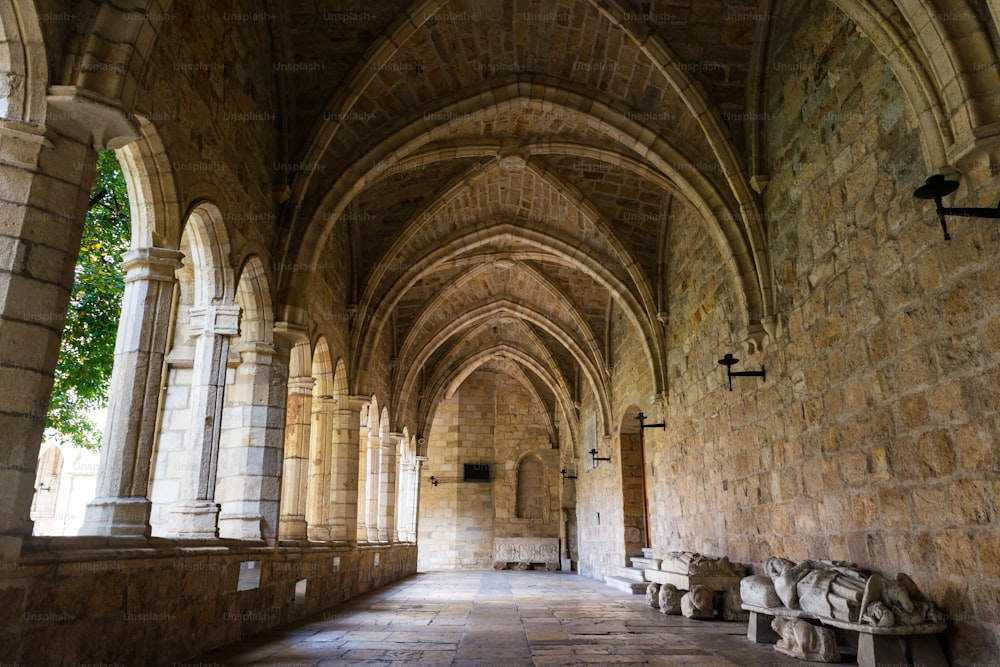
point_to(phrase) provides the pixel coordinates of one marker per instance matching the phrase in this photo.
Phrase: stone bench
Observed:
(895, 645)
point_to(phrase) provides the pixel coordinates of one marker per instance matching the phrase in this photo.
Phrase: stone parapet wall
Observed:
(153, 602)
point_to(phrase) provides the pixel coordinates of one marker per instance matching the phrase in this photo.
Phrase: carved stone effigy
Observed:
(524, 551)
(889, 618)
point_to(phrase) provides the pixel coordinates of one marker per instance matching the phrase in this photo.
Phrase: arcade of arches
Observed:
(376, 243)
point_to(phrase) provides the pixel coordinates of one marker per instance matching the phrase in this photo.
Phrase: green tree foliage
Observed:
(88, 344)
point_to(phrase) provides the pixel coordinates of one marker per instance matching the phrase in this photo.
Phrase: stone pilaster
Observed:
(122, 506)
(197, 514)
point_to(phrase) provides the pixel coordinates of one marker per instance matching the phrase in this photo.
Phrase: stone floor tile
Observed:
(502, 619)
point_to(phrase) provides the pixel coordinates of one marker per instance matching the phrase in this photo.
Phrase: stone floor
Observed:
(500, 619)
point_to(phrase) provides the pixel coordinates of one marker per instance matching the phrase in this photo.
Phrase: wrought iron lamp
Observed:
(936, 187)
(594, 458)
(434, 481)
(729, 361)
(566, 475)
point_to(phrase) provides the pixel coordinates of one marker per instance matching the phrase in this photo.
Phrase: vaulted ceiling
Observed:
(506, 172)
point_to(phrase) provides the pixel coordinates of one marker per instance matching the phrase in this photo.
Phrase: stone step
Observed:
(646, 563)
(626, 585)
(631, 573)
(647, 552)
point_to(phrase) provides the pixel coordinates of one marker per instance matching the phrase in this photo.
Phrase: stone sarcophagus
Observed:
(526, 551)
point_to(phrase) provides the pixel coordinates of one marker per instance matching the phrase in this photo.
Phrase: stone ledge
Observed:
(920, 629)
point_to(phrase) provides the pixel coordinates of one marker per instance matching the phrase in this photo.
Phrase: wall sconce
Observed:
(642, 421)
(44, 487)
(434, 481)
(565, 475)
(729, 360)
(936, 187)
(594, 458)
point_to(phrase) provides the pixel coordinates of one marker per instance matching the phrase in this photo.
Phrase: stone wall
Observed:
(874, 437)
(138, 602)
(490, 419)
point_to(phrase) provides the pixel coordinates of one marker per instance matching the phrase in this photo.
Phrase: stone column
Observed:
(45, 184)
(374, 461)
(122, 506)
(249, 466)
(344, 474)
(197, 514)
(388, 467)
(292, 523)
(320, 467)
(409, 486)
(404, 469)
(415, 505)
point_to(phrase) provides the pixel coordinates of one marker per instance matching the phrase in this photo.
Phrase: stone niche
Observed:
(524, 552)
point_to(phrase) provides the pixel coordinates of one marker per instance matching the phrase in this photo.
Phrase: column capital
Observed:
(215, 320)
(301, 386)
(291, 332)
(151, 264)
(392, 439)
(89, 118)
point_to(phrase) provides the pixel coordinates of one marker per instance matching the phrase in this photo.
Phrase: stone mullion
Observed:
(197, 514)
(388, 456)
(122, 506)
(292, 522)
(44, 198)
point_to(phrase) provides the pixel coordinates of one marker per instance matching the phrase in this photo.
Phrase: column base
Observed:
(239, 527)
(292, 528)
(194, 519)
(120, 517)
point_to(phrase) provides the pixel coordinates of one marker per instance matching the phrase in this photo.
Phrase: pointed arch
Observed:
(24, 77)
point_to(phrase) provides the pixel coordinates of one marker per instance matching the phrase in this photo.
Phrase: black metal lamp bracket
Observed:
(729, 361)
(936, 187)
(641, 417)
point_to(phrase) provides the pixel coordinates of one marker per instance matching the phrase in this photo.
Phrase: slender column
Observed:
(197, 514)
(404, 470)
(344, 475)
(122, 506)
(320, 466)
(408, 505)
(292, 524)
(415, 505)
(44, 187)
(374, 459)
(388, 469)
